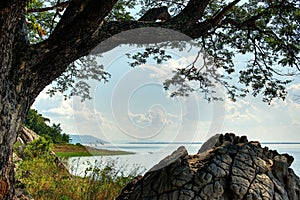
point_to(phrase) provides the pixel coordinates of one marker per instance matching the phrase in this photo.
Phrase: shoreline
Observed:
(78, 150)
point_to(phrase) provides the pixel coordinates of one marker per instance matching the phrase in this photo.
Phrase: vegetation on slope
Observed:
(38, 124)
(43, 176)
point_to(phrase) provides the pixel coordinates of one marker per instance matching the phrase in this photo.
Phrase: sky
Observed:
(133, 106)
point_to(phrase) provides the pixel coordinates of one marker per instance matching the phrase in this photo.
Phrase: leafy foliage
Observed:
(157, 54)
(175, 7)
(121, 11)
(38, 148)
(40, 21)
(74, 82)
(266, 31)
(38, 123)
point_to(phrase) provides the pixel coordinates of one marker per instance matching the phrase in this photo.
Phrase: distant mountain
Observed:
(86, 139)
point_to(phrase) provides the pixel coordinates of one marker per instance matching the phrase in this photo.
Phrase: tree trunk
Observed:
(14, 102)
(8, 125)
(13, 108)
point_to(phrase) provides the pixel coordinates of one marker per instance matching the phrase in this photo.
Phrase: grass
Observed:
(42, 176)
(44, 180)
(71, 150)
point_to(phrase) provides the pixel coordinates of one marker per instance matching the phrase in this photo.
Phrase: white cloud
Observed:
(65, 109)
(294, 93)
(163, 71)
(240, 110)
(144, 125)
(140, 120)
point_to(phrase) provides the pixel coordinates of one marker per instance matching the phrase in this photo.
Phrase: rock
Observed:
(178, 154)
(25, 135)
(226, 167)
(210, 143)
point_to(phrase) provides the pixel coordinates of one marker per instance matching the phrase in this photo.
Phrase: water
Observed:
(147, 155)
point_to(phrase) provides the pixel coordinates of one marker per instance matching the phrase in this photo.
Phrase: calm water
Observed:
(147, 155)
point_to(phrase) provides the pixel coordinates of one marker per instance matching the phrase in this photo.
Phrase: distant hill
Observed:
(86, 139)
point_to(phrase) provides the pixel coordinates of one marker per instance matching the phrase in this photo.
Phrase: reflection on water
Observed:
(147, 155)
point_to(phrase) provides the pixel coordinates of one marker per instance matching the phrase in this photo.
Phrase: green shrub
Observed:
(78, 144)
(38, 148)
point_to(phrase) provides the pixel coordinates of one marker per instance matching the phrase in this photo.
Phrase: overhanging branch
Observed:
(191, 13)
(60, 5)
(68, 41)
(218, 17)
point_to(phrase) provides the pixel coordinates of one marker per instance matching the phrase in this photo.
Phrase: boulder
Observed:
(226, 167)
(25, 135)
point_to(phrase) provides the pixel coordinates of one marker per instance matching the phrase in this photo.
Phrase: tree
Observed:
(37, 123)
(31, 60)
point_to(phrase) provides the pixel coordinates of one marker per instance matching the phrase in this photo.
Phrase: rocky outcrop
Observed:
(25, 136)
(226, 167)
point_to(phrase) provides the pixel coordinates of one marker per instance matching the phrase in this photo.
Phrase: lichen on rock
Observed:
(226, 167)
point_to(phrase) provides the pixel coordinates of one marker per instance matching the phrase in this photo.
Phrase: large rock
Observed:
(226, 167)
(25, 135)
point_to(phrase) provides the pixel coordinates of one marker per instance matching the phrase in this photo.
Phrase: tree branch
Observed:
(191, 13)
(73, 37)
(79, 31)
(82, 28)
(217, 18)
(57, 6)
(68, 41)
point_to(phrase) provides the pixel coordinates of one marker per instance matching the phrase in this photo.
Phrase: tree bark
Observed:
(12, 105)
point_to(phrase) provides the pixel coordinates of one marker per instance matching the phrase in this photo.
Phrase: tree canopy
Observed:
(266, 31)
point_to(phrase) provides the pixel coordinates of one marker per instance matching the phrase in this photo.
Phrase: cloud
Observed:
(164, 71)
(154, 121)
(64, 109)
(265, 122)
(294, 93)
(241, 110)
(74, 116)
(140, 120)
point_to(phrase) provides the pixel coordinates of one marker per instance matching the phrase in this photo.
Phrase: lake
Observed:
(149, 154)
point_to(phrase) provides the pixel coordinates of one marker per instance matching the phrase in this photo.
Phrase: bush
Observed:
(38, 148)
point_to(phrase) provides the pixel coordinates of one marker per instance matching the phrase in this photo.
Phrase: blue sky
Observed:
(133, 106)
